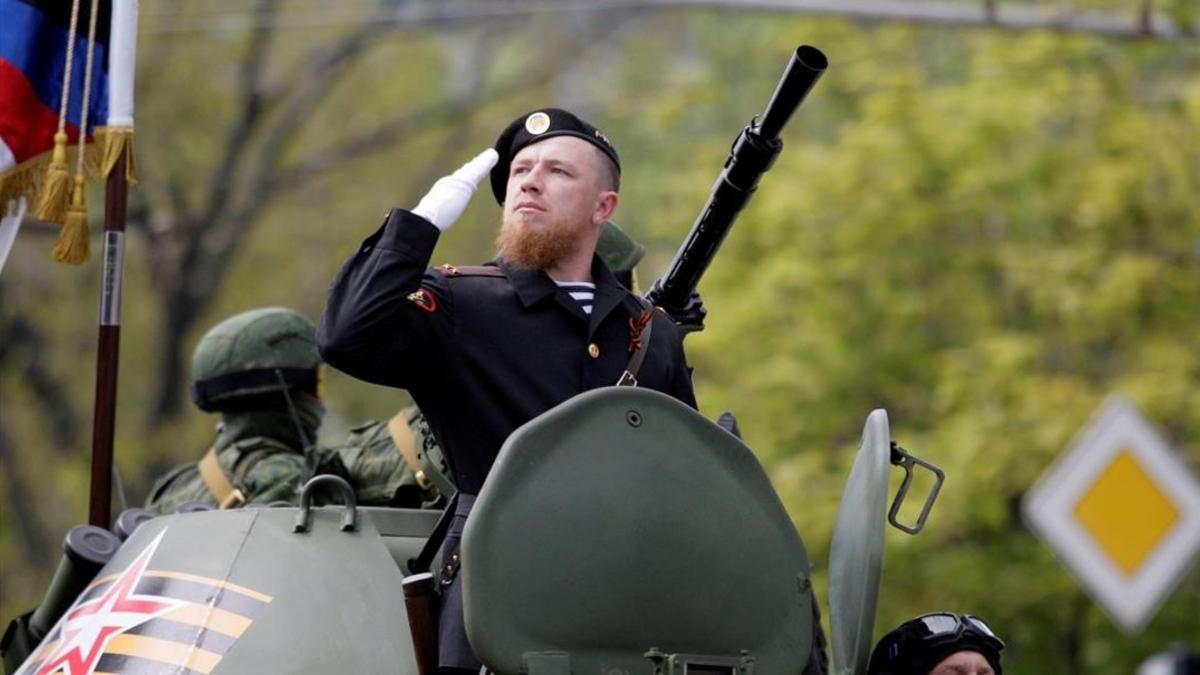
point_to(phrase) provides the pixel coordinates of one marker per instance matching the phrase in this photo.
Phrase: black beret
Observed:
(538, 125)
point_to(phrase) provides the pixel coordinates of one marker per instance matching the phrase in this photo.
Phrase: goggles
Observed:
(949, 627)
(940, 633)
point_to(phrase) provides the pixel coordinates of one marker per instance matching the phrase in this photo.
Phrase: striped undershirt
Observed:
(582, 291)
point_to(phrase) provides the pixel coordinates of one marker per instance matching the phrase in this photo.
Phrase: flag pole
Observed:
(118, 166)
(109, 340)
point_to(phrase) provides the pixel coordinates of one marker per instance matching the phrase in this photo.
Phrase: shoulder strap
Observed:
(472, 271)
(640, 328)
(402, 438)
(424, 559)
(215, 478)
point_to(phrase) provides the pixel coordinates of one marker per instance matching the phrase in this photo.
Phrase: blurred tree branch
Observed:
(21, 343)
(21, 349)
(191, 246)
(34, 544)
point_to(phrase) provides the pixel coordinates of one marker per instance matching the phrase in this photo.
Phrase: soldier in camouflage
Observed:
(392, 463)
(398, 462)
(260, 371)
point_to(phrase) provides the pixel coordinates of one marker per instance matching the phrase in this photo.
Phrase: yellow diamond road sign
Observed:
(1121, 511)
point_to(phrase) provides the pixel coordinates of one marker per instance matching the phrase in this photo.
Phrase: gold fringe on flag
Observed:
(73, 245)
(24, 179)
(112, 143)
(27, 178)
(55, 194)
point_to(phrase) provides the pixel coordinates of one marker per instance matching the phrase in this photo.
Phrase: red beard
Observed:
(533, 249)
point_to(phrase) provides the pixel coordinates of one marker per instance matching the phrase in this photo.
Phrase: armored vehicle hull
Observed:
(620, 533)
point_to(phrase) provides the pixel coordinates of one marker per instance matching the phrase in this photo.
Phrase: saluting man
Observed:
(397, 462)
(483, 350)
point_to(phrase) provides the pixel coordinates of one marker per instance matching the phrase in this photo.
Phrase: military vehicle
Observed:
(619, 533)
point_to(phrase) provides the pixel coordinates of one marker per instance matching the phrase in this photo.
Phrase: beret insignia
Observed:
(537, 123)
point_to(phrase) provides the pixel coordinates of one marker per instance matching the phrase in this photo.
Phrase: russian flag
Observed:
(34, 36)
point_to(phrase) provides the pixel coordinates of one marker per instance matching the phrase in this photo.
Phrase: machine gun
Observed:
(753, 153)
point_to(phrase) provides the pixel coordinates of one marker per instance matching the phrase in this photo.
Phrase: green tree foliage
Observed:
(996, 233)
(985, 233)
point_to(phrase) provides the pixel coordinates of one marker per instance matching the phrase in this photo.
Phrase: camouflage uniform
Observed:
(251, 452)
(259, 369)
(374, 463)
(385, 475)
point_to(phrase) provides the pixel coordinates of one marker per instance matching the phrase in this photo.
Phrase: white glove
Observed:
(448, 197)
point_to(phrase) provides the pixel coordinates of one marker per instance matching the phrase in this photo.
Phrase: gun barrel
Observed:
(753, 153)
(806, 66)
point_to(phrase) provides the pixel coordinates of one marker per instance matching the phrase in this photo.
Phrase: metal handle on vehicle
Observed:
(906, 461)
(349, 513)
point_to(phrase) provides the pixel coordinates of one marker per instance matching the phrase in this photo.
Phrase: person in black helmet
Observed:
(941, 643)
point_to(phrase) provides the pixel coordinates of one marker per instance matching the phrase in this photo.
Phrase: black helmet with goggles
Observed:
(917, 645)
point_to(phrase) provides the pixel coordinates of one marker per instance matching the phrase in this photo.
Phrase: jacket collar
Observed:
(609, 294)
(531, 285)
(535, 285)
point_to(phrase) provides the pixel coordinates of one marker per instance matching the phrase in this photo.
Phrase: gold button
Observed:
(593, 351)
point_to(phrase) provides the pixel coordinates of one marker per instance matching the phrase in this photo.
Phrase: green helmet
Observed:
(263, 351)
(618, 250)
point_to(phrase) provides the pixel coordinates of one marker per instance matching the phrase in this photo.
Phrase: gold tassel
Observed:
(55, 196)
(73, 241)
(113, 142)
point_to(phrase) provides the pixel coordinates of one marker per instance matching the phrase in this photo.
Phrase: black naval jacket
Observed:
(482, 355)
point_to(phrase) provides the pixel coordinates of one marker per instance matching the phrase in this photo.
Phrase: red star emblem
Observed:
(87, 629)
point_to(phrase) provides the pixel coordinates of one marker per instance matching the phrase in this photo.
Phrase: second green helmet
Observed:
(619, 252)
(262, 351)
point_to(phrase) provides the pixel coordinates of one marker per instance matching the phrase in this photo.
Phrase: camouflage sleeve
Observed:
(374, 463)
(325, 460)
(182, 484)
(379, 473)
(277, 477)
